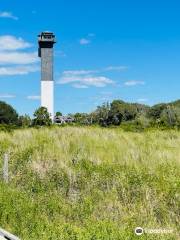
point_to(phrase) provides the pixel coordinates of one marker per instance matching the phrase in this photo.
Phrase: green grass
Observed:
(90, 183)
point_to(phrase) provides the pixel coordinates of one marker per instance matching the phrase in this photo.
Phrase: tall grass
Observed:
(88, 183)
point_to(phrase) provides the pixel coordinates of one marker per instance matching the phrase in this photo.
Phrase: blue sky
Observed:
(106, 49)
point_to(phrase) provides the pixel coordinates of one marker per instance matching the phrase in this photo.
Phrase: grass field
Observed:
(88, 183)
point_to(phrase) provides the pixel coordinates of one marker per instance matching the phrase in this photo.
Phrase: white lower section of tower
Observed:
(47, 96)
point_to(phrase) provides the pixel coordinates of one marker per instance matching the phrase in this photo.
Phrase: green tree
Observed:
(101, 115)
(124, 111)
(156, 110)
(42, 117)
(116, 112)
(24, 121)
(58, 114)
(143, 121)
(8, 114)
(81, 118)
(170, 116)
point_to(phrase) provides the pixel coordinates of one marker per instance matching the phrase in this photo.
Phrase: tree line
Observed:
(117, 113)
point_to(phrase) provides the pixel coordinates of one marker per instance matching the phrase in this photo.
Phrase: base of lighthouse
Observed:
(47, 96)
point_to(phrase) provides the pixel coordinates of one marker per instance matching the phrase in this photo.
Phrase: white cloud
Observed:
(84, 80)
(85, 72)
(18, 58)
(84, 41)
(8, 15)
(33, 97)
(8, 42)
(115, 68)
(80, 72)
(7, 95)
(18, 70)
(133, 83)
(10, 55)
(87, 40)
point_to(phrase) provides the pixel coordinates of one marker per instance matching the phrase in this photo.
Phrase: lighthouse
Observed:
(46, 41)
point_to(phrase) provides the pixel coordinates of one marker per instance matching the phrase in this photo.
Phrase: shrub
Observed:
(8, 114)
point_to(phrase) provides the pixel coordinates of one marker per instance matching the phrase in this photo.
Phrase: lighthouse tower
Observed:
(46, 41)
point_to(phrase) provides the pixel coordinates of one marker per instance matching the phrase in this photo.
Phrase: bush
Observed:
(24, 121)
(42, 117)
(8, 114)
(7, 128)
